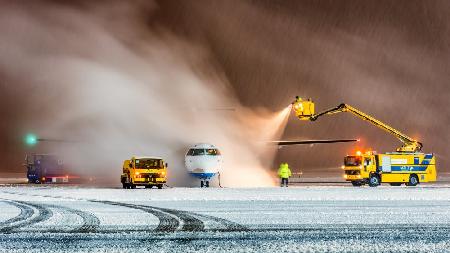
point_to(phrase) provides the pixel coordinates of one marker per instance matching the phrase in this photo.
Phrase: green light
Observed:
(31, 139)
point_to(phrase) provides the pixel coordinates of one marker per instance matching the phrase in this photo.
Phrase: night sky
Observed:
(390, 59)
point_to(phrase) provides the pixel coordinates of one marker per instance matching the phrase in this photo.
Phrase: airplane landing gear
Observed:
(204, 184)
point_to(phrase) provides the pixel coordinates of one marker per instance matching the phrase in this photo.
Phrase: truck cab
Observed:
(358, 167)
(143, 171)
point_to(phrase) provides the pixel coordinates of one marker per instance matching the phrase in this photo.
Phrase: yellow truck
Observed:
(407, 165)
(393, 168)
(144, 171)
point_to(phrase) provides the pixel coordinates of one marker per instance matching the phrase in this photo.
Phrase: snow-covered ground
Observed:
(294, 219)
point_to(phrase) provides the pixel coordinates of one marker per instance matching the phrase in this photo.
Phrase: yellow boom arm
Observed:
(304, 110)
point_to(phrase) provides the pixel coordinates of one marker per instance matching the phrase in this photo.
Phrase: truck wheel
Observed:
(356, 183)
(37, 181)
(148, 186)
(374, 180)
(207, 184)
(395, 184)
(132, 186)
(201, 184)
(413, 180)
(160, 186)
(124, 185)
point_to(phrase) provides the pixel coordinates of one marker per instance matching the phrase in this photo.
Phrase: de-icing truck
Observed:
(408, 164)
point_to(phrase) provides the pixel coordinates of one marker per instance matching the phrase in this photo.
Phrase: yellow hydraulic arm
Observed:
(304, 110)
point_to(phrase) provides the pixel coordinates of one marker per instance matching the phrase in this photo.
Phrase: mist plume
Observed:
(104, 76)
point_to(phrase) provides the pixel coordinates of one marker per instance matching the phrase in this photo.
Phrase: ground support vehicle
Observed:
(407, 165)
(46, 168)
(394, 168)
(144, 171)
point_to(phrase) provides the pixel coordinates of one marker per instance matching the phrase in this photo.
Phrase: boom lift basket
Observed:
(303, 109)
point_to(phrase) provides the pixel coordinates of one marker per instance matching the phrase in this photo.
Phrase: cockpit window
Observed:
(198, 151)
(212, 151)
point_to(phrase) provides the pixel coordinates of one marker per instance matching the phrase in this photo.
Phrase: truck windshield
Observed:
(352, 160)
(149, 163)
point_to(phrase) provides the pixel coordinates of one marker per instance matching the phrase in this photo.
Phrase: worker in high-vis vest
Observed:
(284, 173)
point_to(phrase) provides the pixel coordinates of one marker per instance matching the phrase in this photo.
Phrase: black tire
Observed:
(202, 184)
(356, 183)
(374, 180)
(395, 184)
(160, 186)
(148, 186)
(132, 186)
(124, 185)
(37, 181)
(413, 180)
(207, 184)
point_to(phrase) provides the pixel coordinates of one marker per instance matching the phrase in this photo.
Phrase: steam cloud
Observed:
(103, 77)
(390, 61)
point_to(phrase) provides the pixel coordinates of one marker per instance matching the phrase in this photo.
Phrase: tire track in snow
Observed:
(90, 222)
(169, 219)
(229, 226)
(167, 223)
(192, 222)
(26, 212)
(43, 215)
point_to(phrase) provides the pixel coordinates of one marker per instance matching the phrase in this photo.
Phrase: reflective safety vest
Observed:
(284, 171)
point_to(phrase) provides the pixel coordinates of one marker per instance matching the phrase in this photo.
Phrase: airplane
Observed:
(203, 161)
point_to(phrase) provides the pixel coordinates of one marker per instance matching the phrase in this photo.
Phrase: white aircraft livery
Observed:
(203, 161)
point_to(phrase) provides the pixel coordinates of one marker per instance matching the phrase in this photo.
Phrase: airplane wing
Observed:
(305, 142)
